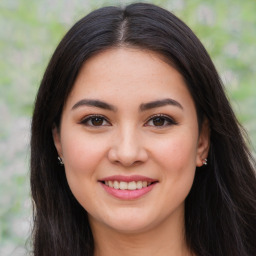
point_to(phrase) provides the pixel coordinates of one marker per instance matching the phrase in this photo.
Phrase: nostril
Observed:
(137, 163)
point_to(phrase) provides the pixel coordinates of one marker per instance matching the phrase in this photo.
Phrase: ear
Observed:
(203, 143)
(56, 140)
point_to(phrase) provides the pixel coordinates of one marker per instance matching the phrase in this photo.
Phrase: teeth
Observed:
(116, 184)
(133, 185)
(123, 185)
(110, 184)
(139, 184)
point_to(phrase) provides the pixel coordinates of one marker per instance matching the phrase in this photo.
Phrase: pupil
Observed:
(158, 121)
(96, 121)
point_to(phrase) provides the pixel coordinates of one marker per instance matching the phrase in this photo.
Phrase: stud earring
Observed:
(205, 161)
(60, 161)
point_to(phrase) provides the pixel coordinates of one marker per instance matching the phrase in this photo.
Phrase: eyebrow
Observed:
(143, 106)
(94, 103)
(160, 103)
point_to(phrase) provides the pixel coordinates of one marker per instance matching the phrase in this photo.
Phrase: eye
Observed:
(160, 121)
(95, 121)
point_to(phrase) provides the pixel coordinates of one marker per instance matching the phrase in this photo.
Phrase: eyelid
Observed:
(88, 117)
(169, 119)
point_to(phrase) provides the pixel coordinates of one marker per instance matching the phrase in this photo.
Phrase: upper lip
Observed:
(128, 178)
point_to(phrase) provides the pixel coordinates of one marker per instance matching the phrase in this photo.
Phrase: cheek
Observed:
(178, 159)
(178, 151)
(82, 153)
(82, 157)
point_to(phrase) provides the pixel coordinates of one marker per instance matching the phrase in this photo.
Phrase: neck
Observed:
(168, 238)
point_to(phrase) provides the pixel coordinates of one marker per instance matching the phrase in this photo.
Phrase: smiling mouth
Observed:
(128, 187)
(123, 185)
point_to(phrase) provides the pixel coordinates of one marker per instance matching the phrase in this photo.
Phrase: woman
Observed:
(151, 159)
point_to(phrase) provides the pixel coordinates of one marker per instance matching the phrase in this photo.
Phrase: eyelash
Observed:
(168, 121)
(89, 118)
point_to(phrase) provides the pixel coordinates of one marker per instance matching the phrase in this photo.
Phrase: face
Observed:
(129, 140)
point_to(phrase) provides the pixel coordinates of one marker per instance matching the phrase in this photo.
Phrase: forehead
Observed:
(129, 74)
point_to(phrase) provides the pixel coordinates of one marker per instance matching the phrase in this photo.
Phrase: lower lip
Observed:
(128, 194)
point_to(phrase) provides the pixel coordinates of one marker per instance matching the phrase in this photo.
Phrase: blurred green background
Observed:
(30, 31)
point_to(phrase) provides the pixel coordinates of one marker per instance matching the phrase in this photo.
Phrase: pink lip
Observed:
(128, 194)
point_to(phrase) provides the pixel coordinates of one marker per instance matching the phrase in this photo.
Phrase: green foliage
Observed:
(30, 31)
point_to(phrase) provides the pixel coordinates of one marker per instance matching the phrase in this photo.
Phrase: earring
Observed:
(205, 161)
(60, 161)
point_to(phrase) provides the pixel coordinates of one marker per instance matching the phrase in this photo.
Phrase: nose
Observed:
(127, 149)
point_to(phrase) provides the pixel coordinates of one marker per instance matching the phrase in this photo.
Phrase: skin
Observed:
(128, 140)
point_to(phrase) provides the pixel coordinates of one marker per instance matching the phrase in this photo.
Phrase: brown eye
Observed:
(95, 121)
(158, 121)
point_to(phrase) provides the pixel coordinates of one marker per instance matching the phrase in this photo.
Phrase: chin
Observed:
(131, 226)
(135, 222)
